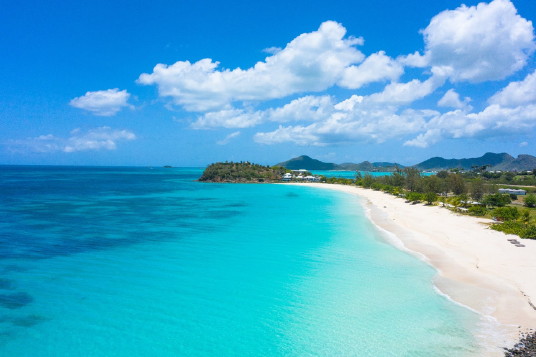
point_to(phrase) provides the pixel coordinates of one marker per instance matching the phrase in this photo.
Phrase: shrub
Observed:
(414, 196)
(517, 228)
(478, 211)
(530, 232)
(506, 213)
(530, 200)
(430, 197)
(497, 200)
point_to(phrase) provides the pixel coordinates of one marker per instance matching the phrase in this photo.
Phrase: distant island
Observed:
(242, 172)
(489, 161)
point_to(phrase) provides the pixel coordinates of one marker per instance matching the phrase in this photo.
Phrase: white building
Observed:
(512, 191)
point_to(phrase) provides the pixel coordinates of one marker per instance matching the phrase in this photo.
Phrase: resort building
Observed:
(512, 191)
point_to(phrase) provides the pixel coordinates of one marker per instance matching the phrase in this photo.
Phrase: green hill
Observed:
(502, 161)
(241, 172)
(307, 163)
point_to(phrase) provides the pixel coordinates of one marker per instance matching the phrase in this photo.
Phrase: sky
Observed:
(187, 83)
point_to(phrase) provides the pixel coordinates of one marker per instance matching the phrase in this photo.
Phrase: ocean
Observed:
(110, 261)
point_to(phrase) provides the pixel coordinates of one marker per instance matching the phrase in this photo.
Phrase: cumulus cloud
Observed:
(405, 93)
(102, 138)
(228, 118)
(356, 118)
(304, 108)
(342, 127)
(479, 43)
(517, 93)
(452, 99)
(228, 138)
(376, 67)
(493, 120)
(311, 108)
(311, 62)
(103, 102)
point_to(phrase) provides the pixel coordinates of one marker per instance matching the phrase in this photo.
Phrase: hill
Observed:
(307, 163)
(521, 163)
(241, 172)
(491, 159)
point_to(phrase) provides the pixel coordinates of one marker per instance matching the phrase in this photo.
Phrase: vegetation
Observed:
(518, 228)
(497, 200)
(506, 213)
(466, 193)
(530, 200)
(242, 172)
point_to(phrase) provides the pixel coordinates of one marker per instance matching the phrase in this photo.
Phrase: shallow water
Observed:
(148, 262)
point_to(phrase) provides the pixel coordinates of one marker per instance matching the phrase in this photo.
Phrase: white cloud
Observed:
(228, 118)
(492, 121)
(523, 144)
(452, 99)
(305, 108)
(102, 138)
(228, 138)
(311, 62)
(272, 50)
(357, 118)
(479, 43)
(103, 102)
(517, 93)
(311, 108)
(376, 67)
(405, 93)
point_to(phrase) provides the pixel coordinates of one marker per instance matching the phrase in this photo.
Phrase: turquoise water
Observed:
(148, 262)
(347, 174)
(351, 174)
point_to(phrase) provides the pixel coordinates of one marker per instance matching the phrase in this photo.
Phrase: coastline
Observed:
(476, 267)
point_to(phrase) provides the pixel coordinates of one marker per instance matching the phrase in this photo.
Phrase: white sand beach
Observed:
(477, 267)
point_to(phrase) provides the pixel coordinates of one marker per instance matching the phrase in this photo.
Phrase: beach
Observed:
(477, 267)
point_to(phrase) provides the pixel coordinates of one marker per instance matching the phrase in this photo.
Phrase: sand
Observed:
(477, 267)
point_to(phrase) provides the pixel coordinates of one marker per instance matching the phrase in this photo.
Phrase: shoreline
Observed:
(476, 267)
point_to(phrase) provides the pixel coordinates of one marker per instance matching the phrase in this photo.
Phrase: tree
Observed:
(530, 200)
(432, 184)
(457, 184)
(509, 176)
(414, 197)
(506, 213)
(413, 178)
(430, 197)
(477, 189)
(497, 200)
(396, 179)
(367, 181)
(477, 210)
(443, 174)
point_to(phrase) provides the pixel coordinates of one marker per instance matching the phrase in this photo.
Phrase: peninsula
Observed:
(242, 172)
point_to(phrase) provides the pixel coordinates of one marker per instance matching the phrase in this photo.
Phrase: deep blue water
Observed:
(149, 262)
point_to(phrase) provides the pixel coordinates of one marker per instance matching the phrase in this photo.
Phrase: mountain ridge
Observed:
(492, 161)
(308, 163)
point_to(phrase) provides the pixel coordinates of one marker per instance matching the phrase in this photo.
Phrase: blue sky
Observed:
(187, 83)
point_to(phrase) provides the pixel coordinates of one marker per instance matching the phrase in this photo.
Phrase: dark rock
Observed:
(526, 347)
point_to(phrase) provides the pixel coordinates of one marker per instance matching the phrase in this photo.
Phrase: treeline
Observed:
(242, 172)
(506, 178)
(472, 196)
